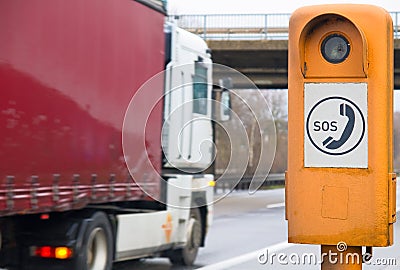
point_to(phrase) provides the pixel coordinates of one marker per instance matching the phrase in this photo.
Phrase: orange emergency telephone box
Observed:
(339, 184)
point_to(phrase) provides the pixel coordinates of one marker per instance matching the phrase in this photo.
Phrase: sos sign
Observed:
(325, 125)
(335, 117)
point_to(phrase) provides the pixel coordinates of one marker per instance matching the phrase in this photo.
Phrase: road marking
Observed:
(245, 257)
(275, 205)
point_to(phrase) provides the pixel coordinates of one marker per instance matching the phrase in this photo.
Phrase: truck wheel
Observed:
(97, 245)
(187, 255)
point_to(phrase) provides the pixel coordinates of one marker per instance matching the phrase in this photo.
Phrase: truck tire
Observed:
(187, 254)
(97, 247)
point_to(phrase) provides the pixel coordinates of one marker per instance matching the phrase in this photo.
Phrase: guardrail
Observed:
(246, 26)
(244, 183)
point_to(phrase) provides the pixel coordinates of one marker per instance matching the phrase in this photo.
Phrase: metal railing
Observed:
(232, 183)
(246, 26)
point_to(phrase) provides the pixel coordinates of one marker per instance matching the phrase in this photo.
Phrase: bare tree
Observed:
(278, 104)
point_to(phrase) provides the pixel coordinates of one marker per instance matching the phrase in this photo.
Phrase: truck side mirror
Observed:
(225, 106)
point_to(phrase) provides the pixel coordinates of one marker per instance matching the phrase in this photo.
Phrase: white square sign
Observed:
(336, 125)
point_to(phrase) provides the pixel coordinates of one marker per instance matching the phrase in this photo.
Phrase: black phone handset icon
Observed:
(344, 110)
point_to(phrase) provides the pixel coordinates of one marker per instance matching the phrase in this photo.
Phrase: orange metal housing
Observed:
(327, 205)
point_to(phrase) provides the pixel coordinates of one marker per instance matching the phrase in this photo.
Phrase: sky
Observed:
(261, 6)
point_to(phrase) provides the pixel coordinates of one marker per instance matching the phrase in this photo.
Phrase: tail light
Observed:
(61, 253)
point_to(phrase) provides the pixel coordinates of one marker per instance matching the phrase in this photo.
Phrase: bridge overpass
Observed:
(257, 44)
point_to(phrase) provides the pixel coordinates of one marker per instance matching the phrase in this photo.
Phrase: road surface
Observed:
(249, 226)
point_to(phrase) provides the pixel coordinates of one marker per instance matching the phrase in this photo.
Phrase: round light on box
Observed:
(335, 48)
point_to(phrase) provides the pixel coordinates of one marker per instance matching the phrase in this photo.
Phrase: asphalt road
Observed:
(242, 223)
(245, 226)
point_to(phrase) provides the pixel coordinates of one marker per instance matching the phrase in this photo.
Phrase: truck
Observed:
(75, 190)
